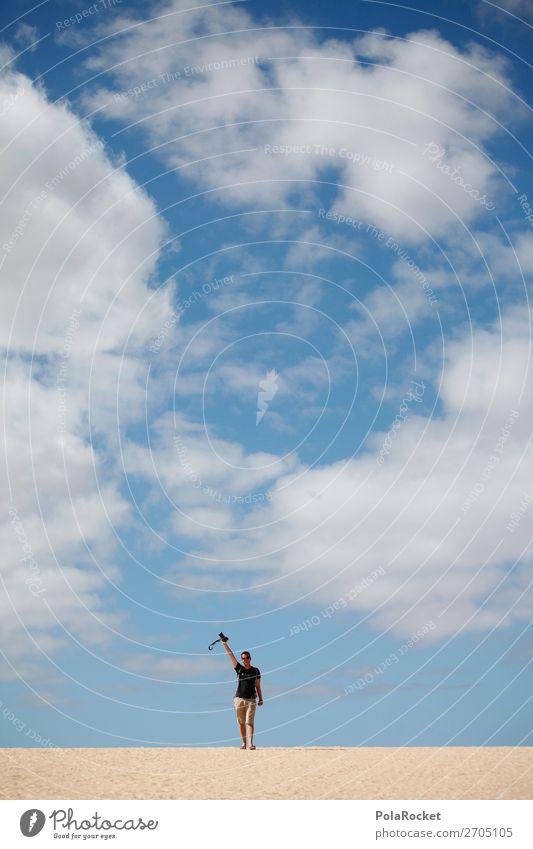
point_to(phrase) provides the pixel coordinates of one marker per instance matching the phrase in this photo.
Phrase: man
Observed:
(249, 683)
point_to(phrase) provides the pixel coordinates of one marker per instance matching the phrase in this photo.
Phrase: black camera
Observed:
(221, 639)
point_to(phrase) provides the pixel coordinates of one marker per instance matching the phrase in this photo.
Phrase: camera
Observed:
(221, 639)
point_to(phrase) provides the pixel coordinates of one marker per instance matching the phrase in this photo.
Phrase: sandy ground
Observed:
(299, 773)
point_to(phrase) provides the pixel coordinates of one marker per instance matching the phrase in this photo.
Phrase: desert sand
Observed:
(298, 773)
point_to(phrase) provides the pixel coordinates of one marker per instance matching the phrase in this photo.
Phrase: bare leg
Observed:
(242, 727)
(251, 736)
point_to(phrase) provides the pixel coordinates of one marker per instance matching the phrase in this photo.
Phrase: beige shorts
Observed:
(245, 710)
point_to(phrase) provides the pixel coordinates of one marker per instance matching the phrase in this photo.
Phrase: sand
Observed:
(299, 773)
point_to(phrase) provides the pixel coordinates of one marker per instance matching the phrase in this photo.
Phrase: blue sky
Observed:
(267, 341)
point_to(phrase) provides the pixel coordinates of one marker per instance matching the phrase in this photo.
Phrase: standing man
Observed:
(249, 682)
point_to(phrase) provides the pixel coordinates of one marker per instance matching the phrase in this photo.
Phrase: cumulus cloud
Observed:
(70, 218)
(79, 244)
(208, 480)
(436, 515)
(271, 111)
(269, 126)
(409, 153)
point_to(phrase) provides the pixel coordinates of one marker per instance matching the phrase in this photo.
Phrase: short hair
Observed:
(247, 653)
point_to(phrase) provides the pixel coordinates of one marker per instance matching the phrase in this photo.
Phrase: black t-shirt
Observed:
(247, 679)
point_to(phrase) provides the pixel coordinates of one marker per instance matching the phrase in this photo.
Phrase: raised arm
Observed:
(230, 653)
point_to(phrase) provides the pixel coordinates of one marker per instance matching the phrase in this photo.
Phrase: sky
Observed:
(266, 347)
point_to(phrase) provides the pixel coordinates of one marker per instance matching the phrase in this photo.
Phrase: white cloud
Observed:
(521, 9)
(79, 243)
(26, 35)
(493, 259)
(374, 117)
(207, 480)
(174, 669)
(69, 218)
(388, 313)
(81, 239)
(435, 515)
(524, 252)
(312, 248)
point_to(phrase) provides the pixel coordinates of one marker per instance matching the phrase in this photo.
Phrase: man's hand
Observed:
(260, 702)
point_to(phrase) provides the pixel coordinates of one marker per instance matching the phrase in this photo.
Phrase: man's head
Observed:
(246, 659)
